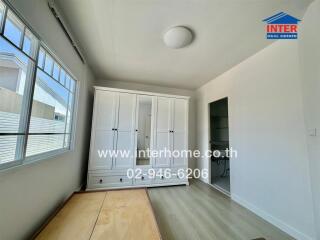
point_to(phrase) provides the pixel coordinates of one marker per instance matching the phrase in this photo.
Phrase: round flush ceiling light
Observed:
(178, 37)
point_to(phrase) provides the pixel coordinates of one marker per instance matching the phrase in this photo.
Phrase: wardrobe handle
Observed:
(137, 130)
(100, 181)
(162, 177)
(121, 180)
(142, 178)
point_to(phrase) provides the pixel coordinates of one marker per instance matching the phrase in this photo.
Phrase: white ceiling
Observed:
(122, 39)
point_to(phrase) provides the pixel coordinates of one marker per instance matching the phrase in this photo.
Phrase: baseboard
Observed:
(220, 189)
(271, 219)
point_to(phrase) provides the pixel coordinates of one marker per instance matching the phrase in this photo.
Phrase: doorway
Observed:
(219, 144)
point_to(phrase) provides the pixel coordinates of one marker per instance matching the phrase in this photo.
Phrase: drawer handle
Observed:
(162, 177)
(100, 181)
(121, 179)
(142, 178)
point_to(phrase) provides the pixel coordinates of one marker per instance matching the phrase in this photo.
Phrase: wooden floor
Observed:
(113, 215)
(198, 212)
(195, 212)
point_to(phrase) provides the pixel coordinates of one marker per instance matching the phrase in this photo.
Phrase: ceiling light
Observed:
(178, 37)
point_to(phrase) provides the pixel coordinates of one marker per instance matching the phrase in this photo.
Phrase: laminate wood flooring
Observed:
(199, 212)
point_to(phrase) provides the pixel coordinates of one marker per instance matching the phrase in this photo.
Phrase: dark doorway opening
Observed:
(219, 144)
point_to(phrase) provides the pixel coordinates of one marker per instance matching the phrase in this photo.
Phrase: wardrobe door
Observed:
(163, 136)
(180, 137)
(144, 130)
(104, 118)
(125, 132)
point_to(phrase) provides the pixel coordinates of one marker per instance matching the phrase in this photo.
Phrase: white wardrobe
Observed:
(127, 122)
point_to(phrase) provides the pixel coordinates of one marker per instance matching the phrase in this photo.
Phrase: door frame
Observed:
(228, 194)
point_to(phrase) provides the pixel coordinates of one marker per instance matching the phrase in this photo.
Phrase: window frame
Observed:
(27, 105)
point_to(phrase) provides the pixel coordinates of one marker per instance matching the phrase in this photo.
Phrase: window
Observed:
(52, 107)
(29, 44)
(37, 95)
(13, 29)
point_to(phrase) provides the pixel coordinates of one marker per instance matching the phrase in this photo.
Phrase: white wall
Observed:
(28, 194)
(165, 90)
(309, 47)
(271, 174)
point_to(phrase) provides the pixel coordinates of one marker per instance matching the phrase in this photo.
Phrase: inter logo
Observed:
(282, 26)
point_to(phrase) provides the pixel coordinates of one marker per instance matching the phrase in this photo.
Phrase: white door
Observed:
(163, 135)
(102, 144)
(105, 110)
(124, 142)
(103, 135)
(180, 141)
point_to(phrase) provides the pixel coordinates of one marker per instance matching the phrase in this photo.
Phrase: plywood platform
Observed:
(116, 215)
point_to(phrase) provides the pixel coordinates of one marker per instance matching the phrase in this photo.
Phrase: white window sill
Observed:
(29, 161)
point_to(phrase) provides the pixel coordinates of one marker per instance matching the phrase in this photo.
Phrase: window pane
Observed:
(67, 82)
(2, 8)
(15, 78)
(41, 58)
(62, 76)
(44, 143)
(72, 85)
(8, 148)
(13, 29)
(56, 71)
(70, 112)
(30, 44)
(49, 107)
(48, 64)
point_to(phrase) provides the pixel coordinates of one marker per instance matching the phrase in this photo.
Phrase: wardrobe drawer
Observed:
(95, 181)
(162, 179)
(143, 180)
(172, 179)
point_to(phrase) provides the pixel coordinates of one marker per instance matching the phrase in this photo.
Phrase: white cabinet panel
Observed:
(180, 118)
(162, 144)
(179, 144)
(124, 140)
(124, 148)
(105, 110)
(102, 141)
(162, 140)
(126, 112)
(164, 118)
(180, 125)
